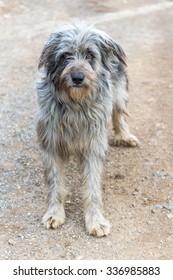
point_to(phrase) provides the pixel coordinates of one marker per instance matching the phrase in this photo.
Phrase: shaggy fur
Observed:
(82, 83)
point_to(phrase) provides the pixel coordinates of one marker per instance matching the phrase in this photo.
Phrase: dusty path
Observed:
(137, 183)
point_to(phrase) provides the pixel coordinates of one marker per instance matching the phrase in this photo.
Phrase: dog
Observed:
(82, 83)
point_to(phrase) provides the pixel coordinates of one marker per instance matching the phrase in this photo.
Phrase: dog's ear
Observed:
(111, 51)
(48, 55)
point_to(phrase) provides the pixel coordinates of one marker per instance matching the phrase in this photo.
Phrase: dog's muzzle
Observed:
(77, 78)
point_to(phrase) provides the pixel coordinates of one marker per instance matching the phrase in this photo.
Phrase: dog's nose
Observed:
(77, 78)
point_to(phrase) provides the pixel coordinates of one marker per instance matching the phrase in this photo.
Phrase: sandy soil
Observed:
(137, 183)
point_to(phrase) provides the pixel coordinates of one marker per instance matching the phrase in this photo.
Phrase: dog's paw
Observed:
(98, 227)
(127, 140)
(54, 218)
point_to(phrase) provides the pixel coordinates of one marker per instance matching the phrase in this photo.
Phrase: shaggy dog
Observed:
(83, 82)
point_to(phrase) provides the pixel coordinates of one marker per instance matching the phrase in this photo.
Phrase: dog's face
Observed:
(76, 58)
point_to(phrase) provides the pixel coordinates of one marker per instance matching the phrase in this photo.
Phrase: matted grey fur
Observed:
(82, 83)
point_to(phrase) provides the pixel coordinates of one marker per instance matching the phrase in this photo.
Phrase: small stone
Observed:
(132, 205)
(150, 222)
(169, 216)
(168, 206)
(68, 202)
(21, 236)
(79, 257)
(134, 193)
(11, 242)
(161, 174)
(158, 206)
(118, 176)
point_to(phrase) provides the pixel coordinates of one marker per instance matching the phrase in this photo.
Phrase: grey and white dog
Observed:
(82, 83)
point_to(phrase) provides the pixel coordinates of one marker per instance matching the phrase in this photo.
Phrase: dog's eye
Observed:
(66, 57)
(63, 56)
(90, 56)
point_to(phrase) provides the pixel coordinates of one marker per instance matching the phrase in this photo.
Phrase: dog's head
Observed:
(80, 59)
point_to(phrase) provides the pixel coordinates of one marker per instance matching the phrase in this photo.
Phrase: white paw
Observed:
(128, 140)
(54, 218)
(98, 227)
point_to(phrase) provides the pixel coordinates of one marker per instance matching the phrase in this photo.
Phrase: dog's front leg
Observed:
(96, 224)
(55, 215)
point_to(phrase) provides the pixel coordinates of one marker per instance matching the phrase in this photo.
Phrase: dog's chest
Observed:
(77, 125)
(74, 123)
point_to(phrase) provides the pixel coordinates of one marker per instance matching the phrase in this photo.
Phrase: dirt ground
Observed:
(137, 182)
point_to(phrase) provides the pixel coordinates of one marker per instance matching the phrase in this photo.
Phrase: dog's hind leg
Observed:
(55, 215)
(121, 128)
(122, 132)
